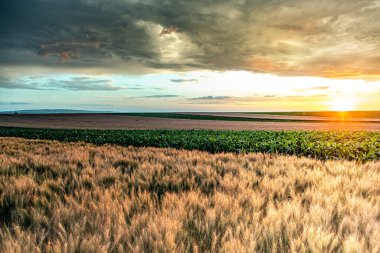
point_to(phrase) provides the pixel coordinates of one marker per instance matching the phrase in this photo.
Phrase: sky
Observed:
(190, 55)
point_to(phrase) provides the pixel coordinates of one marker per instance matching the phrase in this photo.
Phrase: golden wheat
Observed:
(62, 197)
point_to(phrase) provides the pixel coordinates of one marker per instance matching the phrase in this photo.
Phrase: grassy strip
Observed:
(359, 145)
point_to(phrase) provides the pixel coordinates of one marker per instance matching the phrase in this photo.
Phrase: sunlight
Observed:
(343, 104)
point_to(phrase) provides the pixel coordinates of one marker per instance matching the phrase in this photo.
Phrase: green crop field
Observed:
(359, 145)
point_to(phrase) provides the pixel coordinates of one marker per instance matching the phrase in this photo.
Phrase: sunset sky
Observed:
(190, 55)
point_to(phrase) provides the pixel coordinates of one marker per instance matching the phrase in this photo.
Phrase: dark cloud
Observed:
(183, 80)
(292, 37)
(78, 33)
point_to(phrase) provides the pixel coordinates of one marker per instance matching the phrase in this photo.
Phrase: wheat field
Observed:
(77, 197)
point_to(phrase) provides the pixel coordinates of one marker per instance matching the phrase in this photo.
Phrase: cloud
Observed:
(335, 39)
(65, 50)
(83, 83)
(257, 99)
(7, 83)
(320, 88)
(96, 105)
(169, 30)
(183, 80)
(74, 83)
(289, 27)
(316, 88)
(160, 96)
(211, 98)
(15, 103)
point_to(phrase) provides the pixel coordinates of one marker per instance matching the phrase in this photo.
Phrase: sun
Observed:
(343, 104)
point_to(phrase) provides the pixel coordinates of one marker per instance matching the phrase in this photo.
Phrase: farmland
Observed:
(147, 126)
(220, 121)
(359, 145)
(350, 114)
(262, 117)
(78, 197)
(67, 186)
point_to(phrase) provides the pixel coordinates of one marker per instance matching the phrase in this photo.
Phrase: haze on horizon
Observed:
(129, 55)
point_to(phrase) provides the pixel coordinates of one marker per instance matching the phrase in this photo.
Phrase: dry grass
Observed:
(59, 197)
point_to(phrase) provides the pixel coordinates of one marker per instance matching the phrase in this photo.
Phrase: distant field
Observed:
(361, 145)
(77, 197)
(196, 116)
(231, 116)
(351, 114)
(155, 121)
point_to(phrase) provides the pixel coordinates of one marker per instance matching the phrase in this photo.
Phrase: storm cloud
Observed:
(337, 39)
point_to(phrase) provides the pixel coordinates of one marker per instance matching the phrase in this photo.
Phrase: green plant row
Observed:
(358, 145)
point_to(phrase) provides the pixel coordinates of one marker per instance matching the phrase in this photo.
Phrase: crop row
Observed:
(358, 145)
